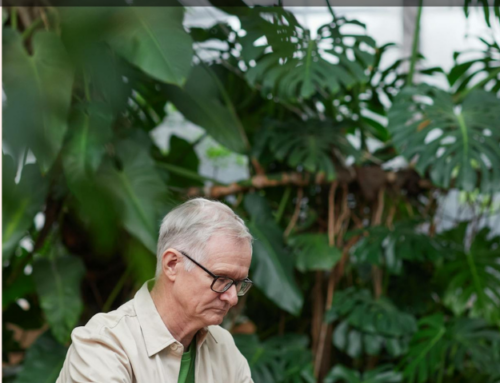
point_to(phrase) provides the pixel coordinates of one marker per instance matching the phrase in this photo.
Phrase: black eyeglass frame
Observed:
(216, 277)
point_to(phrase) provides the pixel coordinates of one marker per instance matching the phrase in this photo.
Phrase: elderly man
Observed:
(170, 332)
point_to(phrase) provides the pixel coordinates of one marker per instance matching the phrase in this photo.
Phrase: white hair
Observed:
(189, 226)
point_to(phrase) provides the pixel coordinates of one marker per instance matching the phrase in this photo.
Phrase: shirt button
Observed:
(174, 347)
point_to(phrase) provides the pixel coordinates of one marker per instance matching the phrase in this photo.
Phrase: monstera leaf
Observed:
(279, 359)
(310, 144)
(440, 347)
(292, 65)
(384, 247)
(368, 325)
(382, 374)
(474, 277)
(314, 252)
(450, 141)
(466, 71)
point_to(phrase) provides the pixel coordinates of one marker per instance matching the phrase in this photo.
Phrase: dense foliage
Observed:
(355, 282)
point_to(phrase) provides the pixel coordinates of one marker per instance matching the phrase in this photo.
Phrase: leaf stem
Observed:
(13, 18)
(414, 50)
(295, 217)
(459, 97)
(86, 86)
(27, 33)
(283, 202)
(330, 9)
(186, 173)
(475, 277)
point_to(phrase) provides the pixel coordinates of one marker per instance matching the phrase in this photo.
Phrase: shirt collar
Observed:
(156, 334)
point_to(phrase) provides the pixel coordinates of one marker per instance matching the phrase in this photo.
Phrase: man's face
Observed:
(227, 257)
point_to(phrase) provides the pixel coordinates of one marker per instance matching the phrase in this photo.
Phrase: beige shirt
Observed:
(133, 345)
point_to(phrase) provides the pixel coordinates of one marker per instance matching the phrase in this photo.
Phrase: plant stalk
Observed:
(414, 50)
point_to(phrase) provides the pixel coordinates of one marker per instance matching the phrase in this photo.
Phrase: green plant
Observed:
(354, 279)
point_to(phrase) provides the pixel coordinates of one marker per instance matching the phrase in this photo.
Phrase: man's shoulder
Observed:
(109, 320)
(221, 335)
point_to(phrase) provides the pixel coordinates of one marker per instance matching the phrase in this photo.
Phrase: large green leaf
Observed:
(272, 267)
(369, 325)
(294, 66)
(153, 39)
(204, 101)
(57, 282)
(20, 202)
(388, 248)
(84, 31)
(91, 130)
(464, 138)
(310, 144)
(441, 347)
(381, 374)
(473, 277)
(82, 156)
(281, 359)
(29, 86)
(314, 252)
(138, 190)
(43, 361)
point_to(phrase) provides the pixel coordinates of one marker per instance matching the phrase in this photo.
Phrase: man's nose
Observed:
(230, 296)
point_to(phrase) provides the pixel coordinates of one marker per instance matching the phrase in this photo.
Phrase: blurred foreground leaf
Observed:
(154, 39)
(58, 285)
(473, 277)
(43, 361)
(20, 202)
(29, 86)
(139, 191)
(90, 131)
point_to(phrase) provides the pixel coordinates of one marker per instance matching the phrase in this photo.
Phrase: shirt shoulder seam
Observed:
(110, 327)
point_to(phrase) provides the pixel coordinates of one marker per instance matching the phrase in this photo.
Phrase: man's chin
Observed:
(217, 317)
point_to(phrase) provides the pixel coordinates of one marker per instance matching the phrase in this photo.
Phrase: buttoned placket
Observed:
(157, 337)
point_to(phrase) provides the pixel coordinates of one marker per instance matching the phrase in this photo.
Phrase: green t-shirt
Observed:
(186, 374)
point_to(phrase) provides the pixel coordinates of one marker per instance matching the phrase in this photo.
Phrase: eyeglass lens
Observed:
(223, 284)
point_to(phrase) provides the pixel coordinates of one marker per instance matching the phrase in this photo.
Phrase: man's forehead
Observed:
(229, 254)
(224, 242)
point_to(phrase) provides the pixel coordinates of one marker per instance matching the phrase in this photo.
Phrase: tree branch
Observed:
(297, 179)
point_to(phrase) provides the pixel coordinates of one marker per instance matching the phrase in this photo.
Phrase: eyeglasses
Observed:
(222, 284)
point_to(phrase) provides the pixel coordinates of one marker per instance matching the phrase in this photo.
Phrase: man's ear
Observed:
(171, 264)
